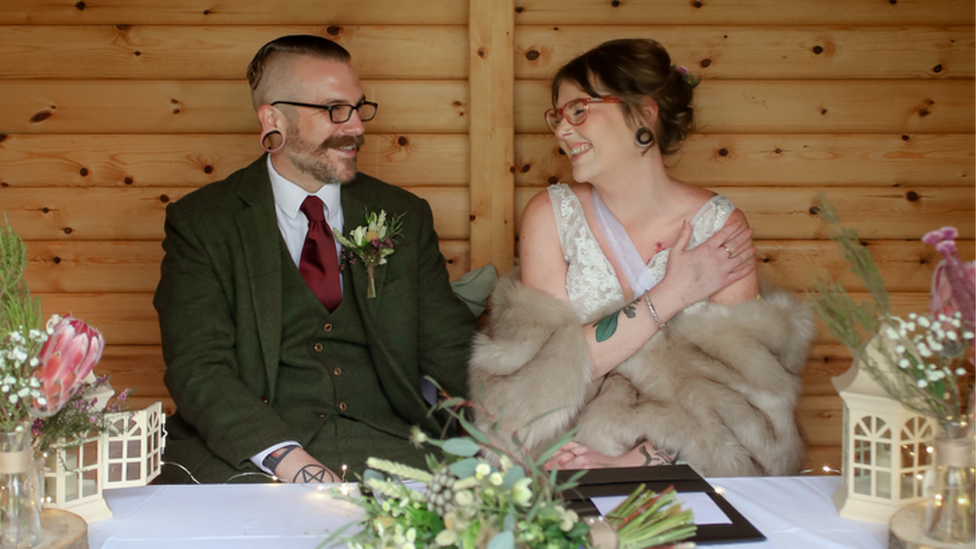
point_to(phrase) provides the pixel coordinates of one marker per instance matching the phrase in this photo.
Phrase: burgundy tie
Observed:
(319, 265)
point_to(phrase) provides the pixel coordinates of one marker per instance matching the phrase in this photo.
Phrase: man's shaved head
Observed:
(268, 73)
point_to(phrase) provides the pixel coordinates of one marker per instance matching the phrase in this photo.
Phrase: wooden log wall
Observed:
(113, 108)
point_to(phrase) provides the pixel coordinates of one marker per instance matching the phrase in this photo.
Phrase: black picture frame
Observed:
(623, 481)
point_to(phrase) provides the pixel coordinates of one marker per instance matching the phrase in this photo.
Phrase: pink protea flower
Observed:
(66, 358)
(953, 282)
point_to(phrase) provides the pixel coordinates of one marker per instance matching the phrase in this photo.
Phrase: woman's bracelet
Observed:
(650, 306)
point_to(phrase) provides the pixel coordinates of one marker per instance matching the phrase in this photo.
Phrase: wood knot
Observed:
(45, 210)
(128, 180)
(4, 184)
(937, 69)
(615, 3)
(823, 111)
(532, 55)
(80, 6)
(137, 53)
(56, 260)
(511, 169)
(778, 150)
(561, 151)
(723, 152)
(163, 198)
(208, 169)
(765, 260)
(207, 12)
(456, 103)
(68, 230)
(904, 137)
(83, 172)
(2, 137)
(697, 3)
(333, 30)
(553, 180)
(814, 210)
(472, 217)
(481, 53)
(912, 196)
(519, 9)
(818, 50)
(403, 141)
(892, 2)
(41, 116)
(922, 261)
(174, 102)
(705, 63)
(123, 28)
(924, 112)
(526, 168)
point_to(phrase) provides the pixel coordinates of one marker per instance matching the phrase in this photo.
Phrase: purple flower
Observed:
(681, 69)
(66, 359)
(939, 235)
(953, 282)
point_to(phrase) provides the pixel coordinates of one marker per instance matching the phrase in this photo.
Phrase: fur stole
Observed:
(719, 384)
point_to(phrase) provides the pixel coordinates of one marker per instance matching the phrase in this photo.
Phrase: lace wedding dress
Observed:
(593, 288)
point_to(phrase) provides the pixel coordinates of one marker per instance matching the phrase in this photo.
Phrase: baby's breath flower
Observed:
(496, 479)
(904, 363)
(891, 333)
(951, 335)
(13, 398)
(924, 322)
(482, 470)
(446, 537)
(924, 350)
(960, 371)
(922, 384)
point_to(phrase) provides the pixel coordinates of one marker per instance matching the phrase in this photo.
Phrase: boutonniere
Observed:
(371, 243)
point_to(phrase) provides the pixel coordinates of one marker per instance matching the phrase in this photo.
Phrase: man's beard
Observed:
(311, 159)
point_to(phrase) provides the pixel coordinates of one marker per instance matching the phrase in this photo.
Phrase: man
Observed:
(276, 357)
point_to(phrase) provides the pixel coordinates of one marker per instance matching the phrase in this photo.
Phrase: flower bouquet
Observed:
(47, 391)
(920, 361)
(468, 502)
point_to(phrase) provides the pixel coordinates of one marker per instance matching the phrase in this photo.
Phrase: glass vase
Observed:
(951, 486)
(20, 510)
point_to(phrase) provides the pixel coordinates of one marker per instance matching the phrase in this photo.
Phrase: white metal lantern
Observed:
(128, 454)
(886, 448)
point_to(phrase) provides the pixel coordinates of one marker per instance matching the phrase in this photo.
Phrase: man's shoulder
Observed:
(226, 193)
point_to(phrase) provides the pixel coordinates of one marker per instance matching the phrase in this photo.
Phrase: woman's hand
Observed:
(574, 455)
(726, 257)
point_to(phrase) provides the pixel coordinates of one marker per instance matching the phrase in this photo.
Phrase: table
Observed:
(792, 512)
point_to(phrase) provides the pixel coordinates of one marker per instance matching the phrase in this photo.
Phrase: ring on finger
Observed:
(727, 250)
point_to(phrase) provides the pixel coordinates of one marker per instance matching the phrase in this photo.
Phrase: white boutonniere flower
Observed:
(371, 243)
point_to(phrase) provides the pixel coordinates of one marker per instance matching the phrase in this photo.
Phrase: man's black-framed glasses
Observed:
(340, 113)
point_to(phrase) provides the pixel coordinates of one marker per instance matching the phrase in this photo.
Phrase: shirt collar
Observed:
(289, 197)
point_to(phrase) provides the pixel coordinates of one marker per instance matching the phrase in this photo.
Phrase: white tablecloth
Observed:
(792, 512)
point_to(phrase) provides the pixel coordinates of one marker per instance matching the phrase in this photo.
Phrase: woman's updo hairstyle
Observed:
(633, 69)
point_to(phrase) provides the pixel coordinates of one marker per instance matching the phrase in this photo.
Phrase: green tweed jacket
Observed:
(219, 303)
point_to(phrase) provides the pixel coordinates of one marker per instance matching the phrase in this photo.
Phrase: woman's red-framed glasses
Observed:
(575, 111)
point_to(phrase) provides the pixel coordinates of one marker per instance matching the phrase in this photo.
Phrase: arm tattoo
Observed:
(313, 473)
(606, 326)
(275, 458)
(663, 456)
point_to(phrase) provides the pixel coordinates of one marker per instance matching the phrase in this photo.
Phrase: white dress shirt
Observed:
(293, 225)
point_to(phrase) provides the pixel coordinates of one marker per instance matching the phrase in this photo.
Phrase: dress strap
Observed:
(623, 249)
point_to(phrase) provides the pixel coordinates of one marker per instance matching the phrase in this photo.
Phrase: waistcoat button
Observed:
(327, 327)
(318, 347)
(342, 406)
(337, 371)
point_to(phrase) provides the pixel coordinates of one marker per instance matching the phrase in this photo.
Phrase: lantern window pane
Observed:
(862, 452)
(133, 471)
(115, 472)
(882, 455)
(90, 483)
(134, 449)
(907, 485)
(115, 449)
(862, 481)
(924, 455)
(90, 452)
(908, 455)
(879, 424)
(884, 484)
(860, 429)
(886, 434)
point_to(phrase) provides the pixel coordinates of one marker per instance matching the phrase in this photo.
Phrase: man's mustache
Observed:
(338, 141)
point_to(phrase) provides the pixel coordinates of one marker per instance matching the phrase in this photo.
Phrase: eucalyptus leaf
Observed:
(512, 475)
(504, 540)
(464, 447)
(464, 468)
(372, 474)
(509, 525)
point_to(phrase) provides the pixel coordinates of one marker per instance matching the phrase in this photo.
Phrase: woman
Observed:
(635, 317)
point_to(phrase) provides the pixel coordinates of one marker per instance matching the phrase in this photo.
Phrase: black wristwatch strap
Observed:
(272, 460)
